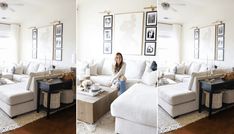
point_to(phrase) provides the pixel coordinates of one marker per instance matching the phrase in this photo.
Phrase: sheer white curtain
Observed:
(9, 41)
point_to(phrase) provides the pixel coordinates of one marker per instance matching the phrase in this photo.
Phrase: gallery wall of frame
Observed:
(150, 33)
(34, 43)
(58, 41)
(196, 43)
(107, 34)
(220, 40)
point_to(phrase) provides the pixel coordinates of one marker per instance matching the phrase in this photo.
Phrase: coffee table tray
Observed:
(89, 93)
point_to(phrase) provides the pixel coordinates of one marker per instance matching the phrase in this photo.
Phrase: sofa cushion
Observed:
(194, 67)
(176, 94)
(107, 67)
(93, 69)
(18, 69)
(181, 77)
(104, 80)
(13, 94)
(180, 69)
(134, 69)
(138, 104)
(33, 67)
(20, 78)
(150, 78)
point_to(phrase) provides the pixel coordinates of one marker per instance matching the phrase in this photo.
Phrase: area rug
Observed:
(105, 125)
(166, 123)
(7, 124)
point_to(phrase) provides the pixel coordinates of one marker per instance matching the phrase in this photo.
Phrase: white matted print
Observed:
(221, 28)
(58, 54)
(107, 34)
(107, 48)
(150, 34)
(150, 48)
(58, 42)
(59, 29)
(128, 33)
(107, 21)
(151, 18)
(220, 54)
(220, 42)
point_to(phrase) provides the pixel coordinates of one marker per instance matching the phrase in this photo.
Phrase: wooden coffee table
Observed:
(90, 109)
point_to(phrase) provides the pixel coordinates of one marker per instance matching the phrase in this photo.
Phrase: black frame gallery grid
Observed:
(107, 34)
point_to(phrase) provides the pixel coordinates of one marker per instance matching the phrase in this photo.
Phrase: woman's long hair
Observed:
(118, 66)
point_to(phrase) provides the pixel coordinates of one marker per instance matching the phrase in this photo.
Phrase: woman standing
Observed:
(118, 69)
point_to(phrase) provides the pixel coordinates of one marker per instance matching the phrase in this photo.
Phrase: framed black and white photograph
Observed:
(150, 34)
(107, 21)
(58, 54)
(107, 33)
(34, 33)
(34, 44)
(34, 53)
(59, 29)
(221, 29)
(196, 44)
(151, 18)
(220, 54)
(196, 33)
(58, 42)
(107, 47)
(196, 53)
(150, 48)
(220, 42)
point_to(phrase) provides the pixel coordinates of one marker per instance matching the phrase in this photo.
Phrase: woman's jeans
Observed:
(122, 86)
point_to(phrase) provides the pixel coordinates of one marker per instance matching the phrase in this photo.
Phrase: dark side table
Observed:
(215, 86)
(50, 87)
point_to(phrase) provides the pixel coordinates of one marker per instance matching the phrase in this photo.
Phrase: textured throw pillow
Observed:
(150, 78)
(32, 67)
(180, 69)
(18, 69)
(93, 69)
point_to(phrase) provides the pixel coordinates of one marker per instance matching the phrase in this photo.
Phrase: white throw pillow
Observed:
(93, 69)
(150, 78)
(172, 69)
(41, 68)
(18, 69)
(107, 67)
(33, 67)
(99, 65)
(134, 69)
(194, 67)
(180, 69)
(81, 67)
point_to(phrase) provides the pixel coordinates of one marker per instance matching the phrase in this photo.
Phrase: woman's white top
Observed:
(118, 74)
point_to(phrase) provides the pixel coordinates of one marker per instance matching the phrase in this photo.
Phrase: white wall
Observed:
(222, 14)
(90, 25)
(65, 14)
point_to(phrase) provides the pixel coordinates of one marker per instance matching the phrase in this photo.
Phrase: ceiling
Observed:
(193, 10)
(30, 8)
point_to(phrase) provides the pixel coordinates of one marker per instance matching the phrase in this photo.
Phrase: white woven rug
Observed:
(166, 123)
(7, 124)
(105, 125)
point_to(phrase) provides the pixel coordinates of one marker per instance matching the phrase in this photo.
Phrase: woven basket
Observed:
(228, 96)
(217, 100)
(54, 100)
(67, 96)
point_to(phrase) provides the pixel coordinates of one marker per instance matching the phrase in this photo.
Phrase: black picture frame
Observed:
(107, 21)
(151, 18)
(107, 34)
(150, 49)
(59, 29)
(58, 54)
(150, 33)
(107, 47)
(34, 42)
(196, 43)
(221, 29)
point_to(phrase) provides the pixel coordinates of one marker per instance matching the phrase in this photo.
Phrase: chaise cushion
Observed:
(138, 104)
(13, 94)
(176, 94)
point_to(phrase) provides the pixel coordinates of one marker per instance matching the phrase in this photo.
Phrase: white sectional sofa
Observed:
(20, 97)
(183, 97)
